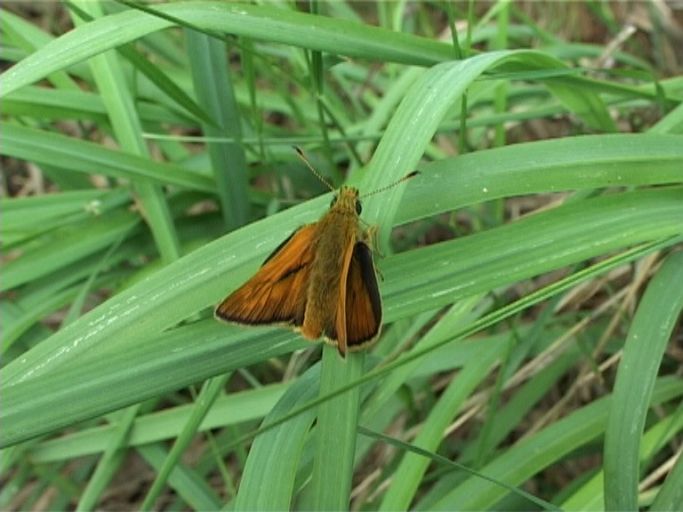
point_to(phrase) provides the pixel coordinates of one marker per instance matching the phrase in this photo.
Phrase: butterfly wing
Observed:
(363, 302)
(277, 292)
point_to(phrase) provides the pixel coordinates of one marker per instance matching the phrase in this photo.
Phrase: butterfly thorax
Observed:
(346, 201)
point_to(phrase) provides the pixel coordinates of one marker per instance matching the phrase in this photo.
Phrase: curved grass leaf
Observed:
(298, 29)
(571, 163)
(274, 456)
(649, 334)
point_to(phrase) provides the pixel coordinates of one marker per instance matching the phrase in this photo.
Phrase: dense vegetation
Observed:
(530, 356)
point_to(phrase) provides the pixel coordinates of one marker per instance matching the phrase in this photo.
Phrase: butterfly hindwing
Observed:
(268, 296)
(363, 303)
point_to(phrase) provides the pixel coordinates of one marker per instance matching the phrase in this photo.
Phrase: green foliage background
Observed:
(510, 353)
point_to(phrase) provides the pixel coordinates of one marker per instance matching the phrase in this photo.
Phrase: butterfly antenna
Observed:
(407, 177)
(303, 158)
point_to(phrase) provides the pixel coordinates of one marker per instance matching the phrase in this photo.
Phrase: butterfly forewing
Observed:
(267, 297)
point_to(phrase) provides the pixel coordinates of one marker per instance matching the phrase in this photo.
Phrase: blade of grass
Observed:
(153, 73)
(282, 26)
(457, 317)
(670, 494)
(59, 104)
(109, 77)
(50, 148)
(647, 339)
(335, 432)
(572, 163)
(406, 479)
(67, 245)
(434, 457)
(30, 37)
(186, 482)
(591, 495)
(670, 123)
(527, 457)
(110, 461)
(274, 456)
(228, 410)
(417, 119)
(213, 86)
(204, 402)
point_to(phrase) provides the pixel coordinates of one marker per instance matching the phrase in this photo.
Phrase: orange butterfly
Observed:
(321, 280)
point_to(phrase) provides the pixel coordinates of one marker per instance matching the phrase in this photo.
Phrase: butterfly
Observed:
(321, 281)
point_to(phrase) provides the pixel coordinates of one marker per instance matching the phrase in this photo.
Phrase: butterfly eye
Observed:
(334, 200)
(359, 207)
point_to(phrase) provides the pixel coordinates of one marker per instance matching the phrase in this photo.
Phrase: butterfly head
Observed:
(347, 201)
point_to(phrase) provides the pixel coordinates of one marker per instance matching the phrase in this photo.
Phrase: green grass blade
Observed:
(125, 122)
(335, 432)
(69, 245)
(541, 450)
(152, 72)
(670, 494)
(303, 30)
(417, 118)
(207, 397)
(110, 461)
(213, 86)
(187, 483)
(31, 38)
(412, 467)
(228, 410)
(274, 456)
(591, 496)
(572, 163)
(458, 316)
(433, 457)
(59, 104)
(670, 123)
(584, 103)
(648, 337)
(28, 217)
(53, 149)
(117, 379)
